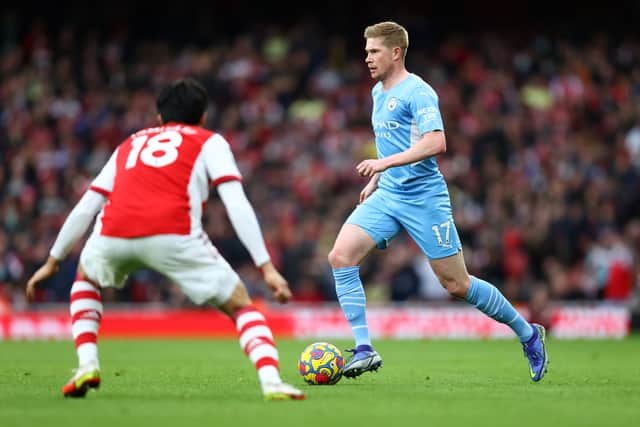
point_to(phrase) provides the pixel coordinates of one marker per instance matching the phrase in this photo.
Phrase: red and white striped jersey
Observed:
(157, 181)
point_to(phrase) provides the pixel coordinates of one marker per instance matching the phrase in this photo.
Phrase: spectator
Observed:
(543, 148)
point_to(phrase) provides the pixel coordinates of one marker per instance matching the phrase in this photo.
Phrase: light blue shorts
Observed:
(428, 220)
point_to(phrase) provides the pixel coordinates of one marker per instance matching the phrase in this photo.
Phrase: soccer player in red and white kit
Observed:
(150, 196)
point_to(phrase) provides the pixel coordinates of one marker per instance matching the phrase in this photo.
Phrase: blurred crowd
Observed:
(543, 158)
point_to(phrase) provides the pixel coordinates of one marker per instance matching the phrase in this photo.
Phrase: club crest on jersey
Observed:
(392, 104)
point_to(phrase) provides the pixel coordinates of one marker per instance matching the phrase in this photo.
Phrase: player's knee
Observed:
(457, 287)
(239, 299)
(338, 259)
(81, 275)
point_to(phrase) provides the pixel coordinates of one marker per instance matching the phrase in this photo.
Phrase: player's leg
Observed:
(256, 339)
(452, 273)
(367, 227)
(86, 312)
(104, 262)
(430, 223)
(351, 246)
(206, 277)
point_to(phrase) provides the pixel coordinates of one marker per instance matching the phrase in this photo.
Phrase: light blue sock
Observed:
(352, 300)
(489, 300)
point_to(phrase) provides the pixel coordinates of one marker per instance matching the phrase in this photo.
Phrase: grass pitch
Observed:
(427, 383)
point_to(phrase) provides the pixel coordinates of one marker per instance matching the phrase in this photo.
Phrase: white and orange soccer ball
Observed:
(321, 363)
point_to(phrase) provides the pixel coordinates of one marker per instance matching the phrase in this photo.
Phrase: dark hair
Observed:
(182, 101)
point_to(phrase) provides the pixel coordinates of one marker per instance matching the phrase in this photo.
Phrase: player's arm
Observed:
(223, 171)
(245, 223)
(371, 186)
(74, 227)
(431, 144)
(76, 224)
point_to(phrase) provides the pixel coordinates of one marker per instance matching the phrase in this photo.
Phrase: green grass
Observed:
(426, 383)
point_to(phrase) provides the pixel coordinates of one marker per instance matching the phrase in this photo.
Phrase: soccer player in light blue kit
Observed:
(408, 191)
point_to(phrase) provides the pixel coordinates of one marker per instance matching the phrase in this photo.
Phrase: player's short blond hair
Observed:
(392, 33)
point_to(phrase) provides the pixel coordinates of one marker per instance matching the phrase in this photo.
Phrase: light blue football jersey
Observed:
(400, 116)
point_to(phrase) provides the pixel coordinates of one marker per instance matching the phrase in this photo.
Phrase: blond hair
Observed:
(393, 35)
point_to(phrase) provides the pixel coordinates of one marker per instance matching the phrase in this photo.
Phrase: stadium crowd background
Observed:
(543, 130)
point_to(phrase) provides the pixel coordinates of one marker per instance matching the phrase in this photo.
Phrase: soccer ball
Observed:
(321, 363)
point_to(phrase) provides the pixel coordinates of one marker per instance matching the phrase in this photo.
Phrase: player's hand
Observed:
(274, 281)
(371, 167)
(368, 190)
(43, 273)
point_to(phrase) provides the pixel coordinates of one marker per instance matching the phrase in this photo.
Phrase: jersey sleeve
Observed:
(244, 221)
(219, 160)
(424, 108)
(77, 223)
(103, 183)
